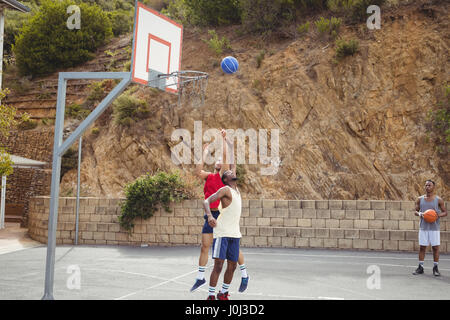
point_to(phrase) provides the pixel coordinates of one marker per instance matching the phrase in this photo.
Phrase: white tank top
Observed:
(228, 222)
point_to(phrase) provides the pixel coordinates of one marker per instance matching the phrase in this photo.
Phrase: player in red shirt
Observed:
(213, 182)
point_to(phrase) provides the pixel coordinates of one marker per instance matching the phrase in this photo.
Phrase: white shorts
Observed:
(429, 237)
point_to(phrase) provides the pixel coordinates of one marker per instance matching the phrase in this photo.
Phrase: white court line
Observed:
(157, 285)
(6, 250)
(122, 271)
(332, 256)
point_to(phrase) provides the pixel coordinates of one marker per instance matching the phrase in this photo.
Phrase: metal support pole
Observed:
(56, 173)
(78, 191)
(2, 209)
(59, 148)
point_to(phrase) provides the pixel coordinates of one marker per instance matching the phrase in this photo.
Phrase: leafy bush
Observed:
(259, 58)
(346, 48)
(76, 111)
(216, 44)
(69, 161)
(353, 10)
(212, 12)
(328, 27)
(14, 21)
(128, 108)
(46, 44)
(7, 116)
(27, 124)
(311, 5)
(96, 93)
(95, 131)
(265, 15)
(5, 163)
(122, 21)
(303, 28)
(147, 193)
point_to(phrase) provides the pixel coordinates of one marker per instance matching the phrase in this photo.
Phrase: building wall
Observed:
(26, 183)
(340, 224)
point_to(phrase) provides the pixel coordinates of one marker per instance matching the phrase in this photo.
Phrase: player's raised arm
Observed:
(199, 167)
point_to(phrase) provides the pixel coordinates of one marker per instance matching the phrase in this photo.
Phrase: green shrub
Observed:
(5, 163)
(46, 44)
(96, 92)
(303, 28)
(328, 27)
(14, 21)
(21, 86)
(95, 131)
(264, 16)
(346, 48)
(212, 12)
(259, 58)
(76, 111)
(122, 21)
(25, 122)
(128, 108)
(353, 10)
(69, 161)
(216, 44)
(311, 5)
(147, 193)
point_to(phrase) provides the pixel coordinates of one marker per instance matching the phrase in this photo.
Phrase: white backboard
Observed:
(157, 46)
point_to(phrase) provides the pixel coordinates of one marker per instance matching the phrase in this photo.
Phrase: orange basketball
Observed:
(430, 216)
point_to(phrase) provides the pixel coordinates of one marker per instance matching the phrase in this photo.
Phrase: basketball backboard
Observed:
(156, 49)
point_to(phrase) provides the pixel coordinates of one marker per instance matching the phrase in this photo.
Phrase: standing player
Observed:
(429, 233)
(213, 183)
(227, 233)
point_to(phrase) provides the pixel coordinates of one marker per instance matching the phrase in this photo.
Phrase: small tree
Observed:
(147, 193)
(7, 121)
(45, 43)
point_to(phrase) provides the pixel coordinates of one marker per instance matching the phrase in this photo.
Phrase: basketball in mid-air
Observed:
(229, 65)
(430, 216)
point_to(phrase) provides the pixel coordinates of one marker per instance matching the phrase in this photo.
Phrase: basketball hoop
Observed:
(191, 85)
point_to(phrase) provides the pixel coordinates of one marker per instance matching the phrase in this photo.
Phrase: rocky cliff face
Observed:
(348, 130)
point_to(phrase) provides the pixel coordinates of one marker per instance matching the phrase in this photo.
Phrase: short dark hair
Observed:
(431, 182)
(223, 176)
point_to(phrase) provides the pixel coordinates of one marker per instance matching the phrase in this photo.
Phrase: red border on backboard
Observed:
(164, 42)
(142, 6)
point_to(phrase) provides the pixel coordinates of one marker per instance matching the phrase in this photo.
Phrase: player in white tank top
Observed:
(229, 218)
(226, 233)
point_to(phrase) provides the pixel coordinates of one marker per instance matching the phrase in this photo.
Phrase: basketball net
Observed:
(191, 84)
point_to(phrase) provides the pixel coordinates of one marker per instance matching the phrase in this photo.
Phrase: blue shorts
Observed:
(206, 227)
(226, 248)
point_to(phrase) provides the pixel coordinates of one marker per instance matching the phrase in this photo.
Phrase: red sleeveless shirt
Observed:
(212, 184)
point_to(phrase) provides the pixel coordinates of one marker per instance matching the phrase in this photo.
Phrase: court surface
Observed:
(117, 272)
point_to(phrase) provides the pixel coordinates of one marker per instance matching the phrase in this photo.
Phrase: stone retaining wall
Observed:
(343, 224)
